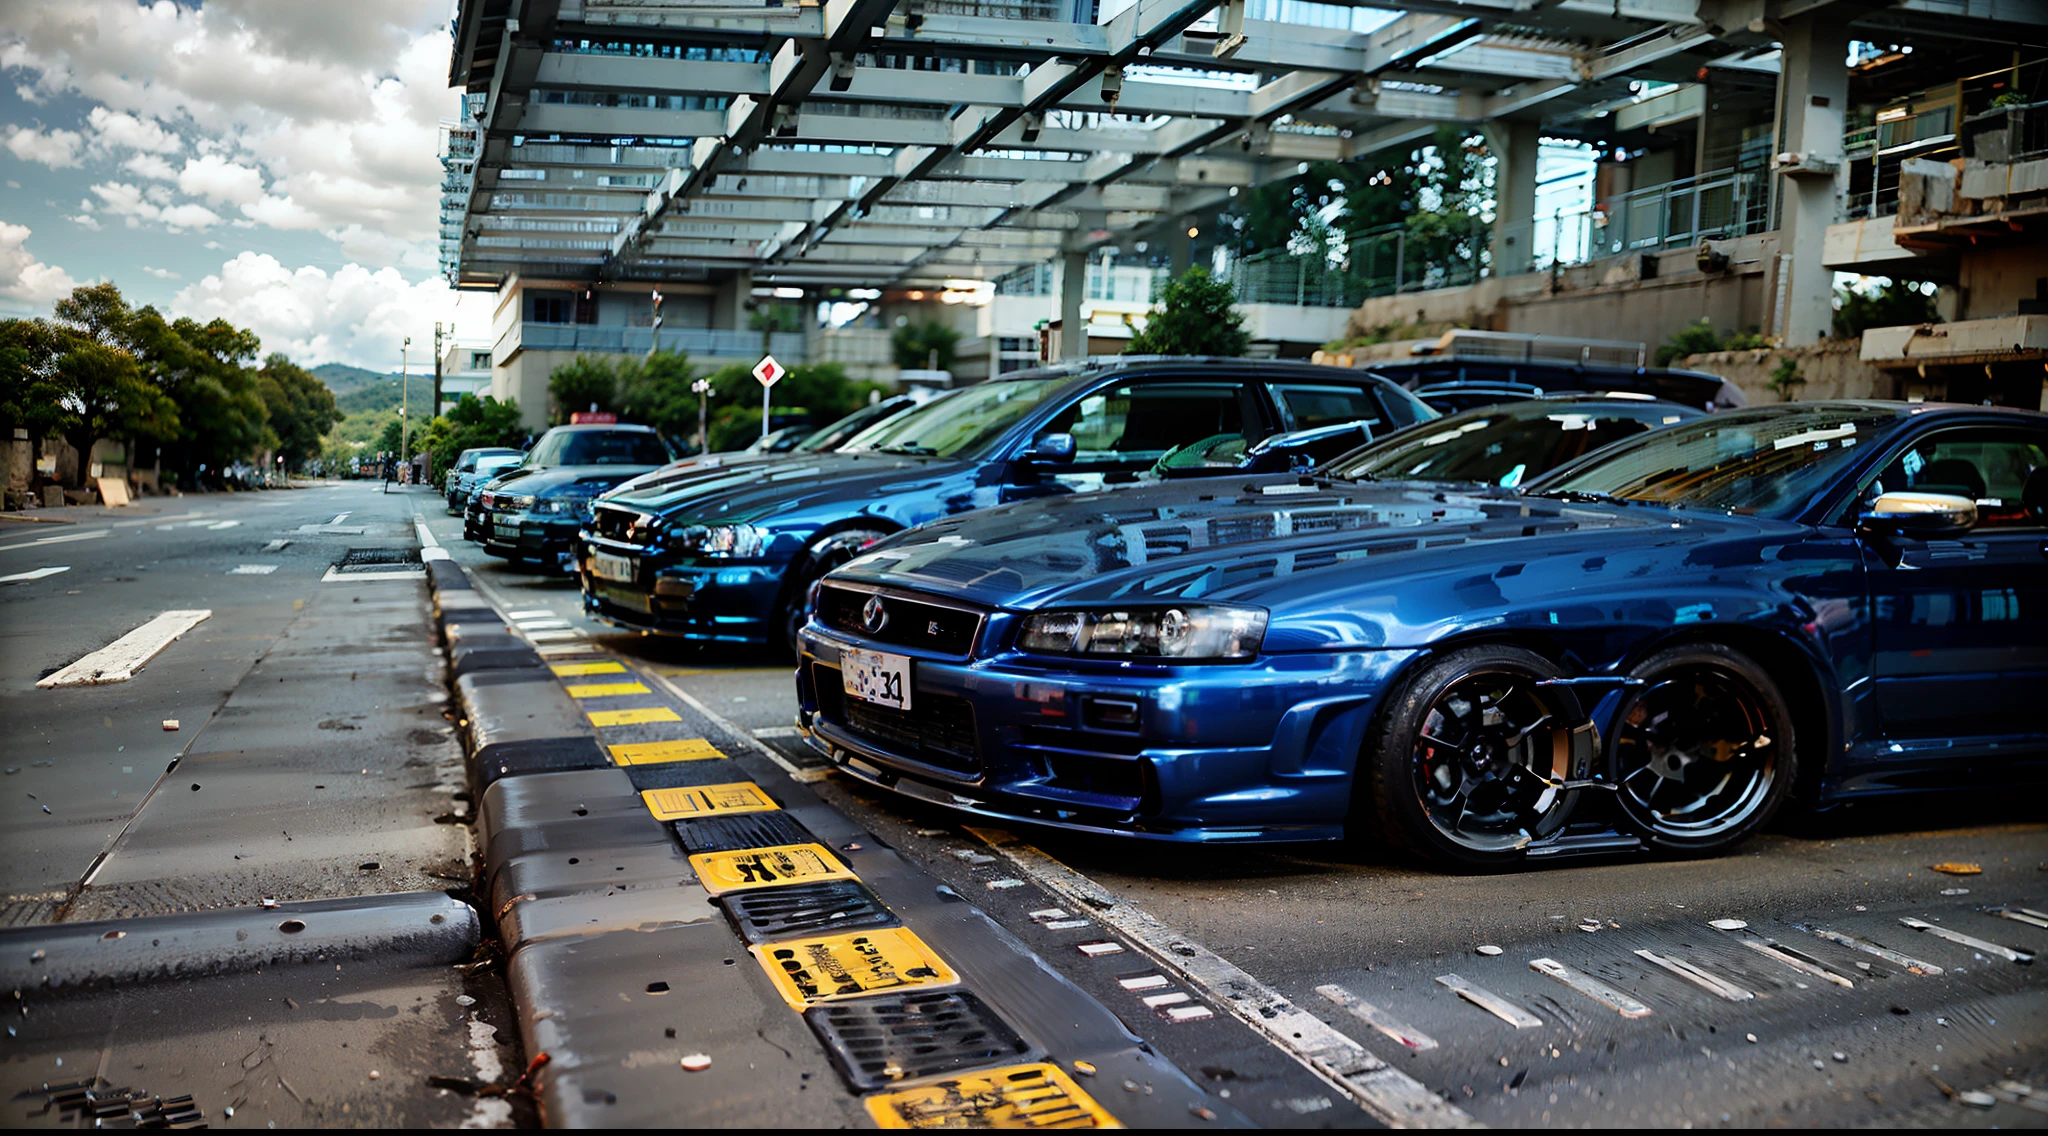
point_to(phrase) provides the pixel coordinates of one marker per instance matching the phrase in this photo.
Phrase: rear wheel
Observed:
(829, 552)
(1703, 754)
(1471, 755)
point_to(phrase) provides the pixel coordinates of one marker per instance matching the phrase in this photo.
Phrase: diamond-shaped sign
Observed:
(768, 372)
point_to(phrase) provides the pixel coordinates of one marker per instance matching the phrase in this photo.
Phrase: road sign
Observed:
(768, 372)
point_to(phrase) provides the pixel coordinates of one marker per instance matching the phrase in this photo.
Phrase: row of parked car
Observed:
(1226, 600)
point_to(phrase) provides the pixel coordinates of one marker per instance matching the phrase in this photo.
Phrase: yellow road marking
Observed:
(572, 670)
(832, 967)
(1017, 1096)
(707, 800)
(606, 689)
(657, 753)
(633, 717)
(721, 872)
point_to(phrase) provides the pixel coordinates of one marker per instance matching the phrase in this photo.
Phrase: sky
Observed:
(270, 162)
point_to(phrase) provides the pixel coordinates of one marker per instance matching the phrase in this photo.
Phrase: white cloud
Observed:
(162, 273)
(221, 181)
(56, 149)
(368, 246)
(353, 315)
(22, 276)
(113, 130)
(136, 205)
(151, 166)
(84, 221)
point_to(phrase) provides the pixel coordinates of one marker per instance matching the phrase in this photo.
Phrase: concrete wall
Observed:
(1993, 281)
(1831, 369)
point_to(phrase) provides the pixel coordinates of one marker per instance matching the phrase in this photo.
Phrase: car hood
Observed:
(586, 480)
(775, 483)
(1266, 541)
(683, 468)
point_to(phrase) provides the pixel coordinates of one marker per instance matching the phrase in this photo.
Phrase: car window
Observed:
(964, 422)
(1137, 423)
(599, 447)
(1494, 447)
(1987, 464)
(1309, 407)
(496, 462)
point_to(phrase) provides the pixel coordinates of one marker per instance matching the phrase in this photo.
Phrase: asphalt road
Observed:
(1861, 1039)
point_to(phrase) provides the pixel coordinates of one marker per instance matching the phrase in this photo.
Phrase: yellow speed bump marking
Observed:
(633, 717)
(659, 753)
(707, 800)
(606, 689)
(1017, 1096)
(832, 967)
(721, 872)
(573, 670)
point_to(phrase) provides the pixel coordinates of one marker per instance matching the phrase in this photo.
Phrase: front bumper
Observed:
(691, 598)
(1258, 752)
(548, 538)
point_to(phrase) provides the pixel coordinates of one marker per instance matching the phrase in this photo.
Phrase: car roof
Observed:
(1123, 364)
(583, 427)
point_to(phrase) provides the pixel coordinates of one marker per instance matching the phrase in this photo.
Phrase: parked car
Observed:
(1510, 443)
(473, 467)
(833, 437)
(1451, 384)
(1673, 635)
(729, 554)
(531, 513)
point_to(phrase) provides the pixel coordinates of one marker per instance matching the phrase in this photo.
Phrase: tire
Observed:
(824, 554)
(1473, 731)
(1703, 754)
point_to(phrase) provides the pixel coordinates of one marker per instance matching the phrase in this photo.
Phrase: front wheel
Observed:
(827, 553)
(1703, 752)
(1472, 757)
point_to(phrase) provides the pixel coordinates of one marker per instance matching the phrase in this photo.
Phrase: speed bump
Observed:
(827, 969)
(574, 670)
(605, 689)
(721, 872)
(706, 800)
(658, 753)
(1017, 1096)
(633, 717)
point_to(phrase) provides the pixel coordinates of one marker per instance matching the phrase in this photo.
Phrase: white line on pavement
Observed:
(64, 539)
(118, 661)
(542, 624)
(738, 731)
(35, 575)
(252, 569)
(338, 518)
(778, 732)
(219, 525)
(427, 540)
(1392, 1096)
(531, 613)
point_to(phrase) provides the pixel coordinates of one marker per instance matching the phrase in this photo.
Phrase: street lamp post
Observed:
(703, 389)
(405, 401)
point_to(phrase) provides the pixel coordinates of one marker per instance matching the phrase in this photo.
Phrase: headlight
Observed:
(738, 541)
(510, 502)
(1183, 632)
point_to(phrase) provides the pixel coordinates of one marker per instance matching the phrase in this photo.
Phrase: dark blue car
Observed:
(729, 554)
(1674, 635)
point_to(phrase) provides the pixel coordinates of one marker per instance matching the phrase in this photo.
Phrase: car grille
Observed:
(616, 524)
(906, 622)
(939, 730)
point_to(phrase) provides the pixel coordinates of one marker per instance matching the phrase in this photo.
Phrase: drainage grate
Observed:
(831, 906)
(766, 829)
(897, 1037)
(378, 559)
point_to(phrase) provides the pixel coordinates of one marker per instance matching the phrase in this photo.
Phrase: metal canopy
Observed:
(906, 142)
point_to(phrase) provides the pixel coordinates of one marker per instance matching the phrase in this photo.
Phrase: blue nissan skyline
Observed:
(1665, 641)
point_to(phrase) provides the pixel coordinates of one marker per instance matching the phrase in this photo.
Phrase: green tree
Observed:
(655, 391)
(916, 345)
(583, 383)
(301, 408)
(472, 423)
(1894, 303)
(1196, 317)
(30, 396)
(105, 396)
(819, 391)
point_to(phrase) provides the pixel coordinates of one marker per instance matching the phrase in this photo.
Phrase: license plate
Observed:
(506, 532)
(877, 677)
(605, 566)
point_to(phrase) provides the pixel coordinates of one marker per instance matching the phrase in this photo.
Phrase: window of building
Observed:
(479, 360)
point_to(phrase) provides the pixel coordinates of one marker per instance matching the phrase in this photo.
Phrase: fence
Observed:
(698, 342)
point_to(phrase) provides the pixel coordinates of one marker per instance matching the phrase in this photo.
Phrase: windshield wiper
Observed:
(911, 448)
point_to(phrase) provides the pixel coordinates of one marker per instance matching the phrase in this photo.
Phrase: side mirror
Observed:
(1907, 513)
(1050, 449)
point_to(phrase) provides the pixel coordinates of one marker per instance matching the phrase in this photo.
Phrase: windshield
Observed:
(839, 433)
(598, 447)
(964, 422)
(1746, 461)
(491, 463)
(1496, 446)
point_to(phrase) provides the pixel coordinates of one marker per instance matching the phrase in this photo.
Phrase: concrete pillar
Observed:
(729, 304)
(1514, 147)
(1814, 94)
(1073, 289)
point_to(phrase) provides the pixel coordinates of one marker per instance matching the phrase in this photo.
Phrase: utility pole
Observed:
(404, 402)
(655, 343)
(437, 365)
(703, 389)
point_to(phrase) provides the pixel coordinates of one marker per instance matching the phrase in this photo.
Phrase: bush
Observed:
(1197, 316)
(1786, 379)
(1895, 303)
(1694, 339)
(582, 384)
(915, 344)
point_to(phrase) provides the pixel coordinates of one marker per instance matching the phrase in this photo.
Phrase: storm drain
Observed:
(767, 829)
(896, 1037)
(366, 564)
(798, 909)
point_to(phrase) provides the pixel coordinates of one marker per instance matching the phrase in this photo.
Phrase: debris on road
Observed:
(1489, 950)
(170, 725)
(696, 1063)
(1958, 868)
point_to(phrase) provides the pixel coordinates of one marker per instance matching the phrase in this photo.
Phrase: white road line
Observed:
(419, 525)
(1711, 983)
(1390, 1095)
(1492, 1003)
(252, 569)
(541, 624)
(1970, 941)
(118, 661)
(738, 731)
(338, 518)
(35, 575)
(1801, 965)
(219, 525)
(531, 613)
(551, 636)
(766, 732)
(2025, 915)
(1908, 962)
(1591, 987)
(1379, 1019)
(277, 546)
(64, 539)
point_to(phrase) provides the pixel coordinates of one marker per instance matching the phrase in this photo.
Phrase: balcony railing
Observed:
(698, 342)
(2007, 134)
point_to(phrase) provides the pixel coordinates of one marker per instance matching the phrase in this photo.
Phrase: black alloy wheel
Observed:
(829, 552)
(1703, 753)
(1472, 757)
